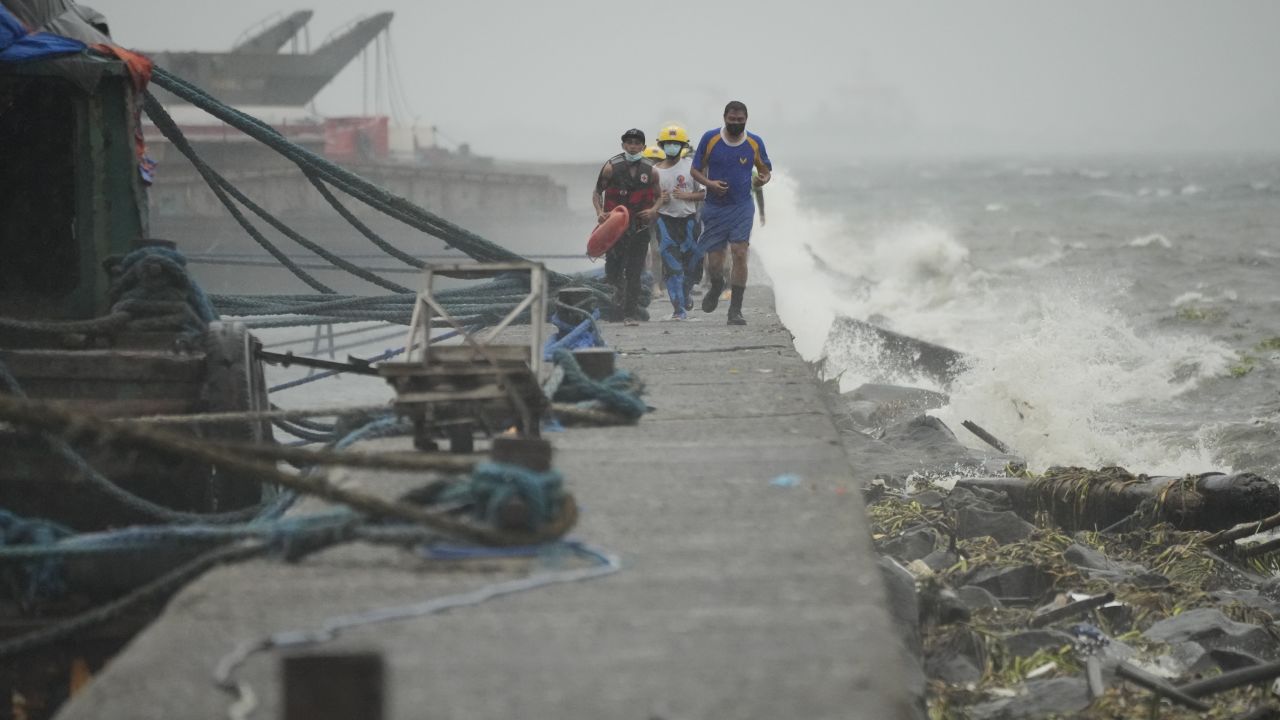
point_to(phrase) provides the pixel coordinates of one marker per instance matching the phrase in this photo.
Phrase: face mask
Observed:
(735, 128)
(634, 157)
(671, 149)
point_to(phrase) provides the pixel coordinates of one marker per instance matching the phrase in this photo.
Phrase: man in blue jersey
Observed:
(722, 164)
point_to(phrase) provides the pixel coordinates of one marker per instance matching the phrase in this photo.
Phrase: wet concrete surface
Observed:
(738, 597)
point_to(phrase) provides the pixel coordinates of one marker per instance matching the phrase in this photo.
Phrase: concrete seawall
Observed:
(451, 192)
(739, 597)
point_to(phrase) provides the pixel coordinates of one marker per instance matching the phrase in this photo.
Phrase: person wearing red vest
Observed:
(629, 179)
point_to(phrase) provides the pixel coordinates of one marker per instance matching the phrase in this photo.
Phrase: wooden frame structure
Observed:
(480, 383)
(425, 309)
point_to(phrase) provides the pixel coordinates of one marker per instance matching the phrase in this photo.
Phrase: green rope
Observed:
(169, 128)
(365, 230)
(491, 487)
(323, 173)
(619, 393)
(378, 198)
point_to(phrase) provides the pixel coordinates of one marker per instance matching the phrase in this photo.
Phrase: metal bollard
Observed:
(579, 297)
(530, 453)
(597, 363)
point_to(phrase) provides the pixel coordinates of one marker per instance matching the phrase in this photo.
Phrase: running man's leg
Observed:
(718, 225)
(692, 276)
(690, 260)
(738, 277)
(613, 276)
(738, 281)
(739, 244)
(634, 255)
(671, 236)
(715, 274)
(675, 292)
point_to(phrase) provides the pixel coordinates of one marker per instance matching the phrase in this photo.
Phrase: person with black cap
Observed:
(628, 179)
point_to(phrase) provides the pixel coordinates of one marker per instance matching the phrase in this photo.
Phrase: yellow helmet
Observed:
(653, 152)
(673, 133)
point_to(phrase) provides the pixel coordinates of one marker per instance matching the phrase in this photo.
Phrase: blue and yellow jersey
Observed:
(719, 160)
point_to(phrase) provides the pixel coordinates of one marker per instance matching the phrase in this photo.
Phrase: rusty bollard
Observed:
(597, 363)
(529, 453)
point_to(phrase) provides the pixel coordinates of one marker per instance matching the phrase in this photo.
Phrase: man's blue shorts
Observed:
(722, 224)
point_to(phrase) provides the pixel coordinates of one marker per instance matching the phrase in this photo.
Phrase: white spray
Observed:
(1055, 364)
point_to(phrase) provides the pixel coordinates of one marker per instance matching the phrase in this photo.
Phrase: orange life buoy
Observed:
(608, 232)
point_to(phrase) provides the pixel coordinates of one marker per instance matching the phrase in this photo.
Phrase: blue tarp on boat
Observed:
(19, 45)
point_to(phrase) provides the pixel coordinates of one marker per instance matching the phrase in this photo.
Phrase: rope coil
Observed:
(619, 394)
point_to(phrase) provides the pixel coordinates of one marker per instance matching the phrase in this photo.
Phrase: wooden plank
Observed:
(412, 370)
(437, 371)
(104, 365)
(103, 389)
(484, 393)
(459, 381)
(30, 462)
(466, 353)
(129, 408)
(38, 483)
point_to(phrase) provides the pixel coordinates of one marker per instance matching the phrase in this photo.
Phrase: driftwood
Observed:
(1232, 680)
(1250, 527)
(986, 437)
(1079, 499)
(1079, 607)
(1159, 687)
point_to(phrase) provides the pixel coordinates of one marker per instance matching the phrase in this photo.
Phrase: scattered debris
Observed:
(1025, 610)
(1081, 499)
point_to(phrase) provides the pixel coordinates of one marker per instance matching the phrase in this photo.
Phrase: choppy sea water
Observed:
(1115, 311)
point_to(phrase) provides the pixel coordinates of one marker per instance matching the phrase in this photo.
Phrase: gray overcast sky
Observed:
(560, 79)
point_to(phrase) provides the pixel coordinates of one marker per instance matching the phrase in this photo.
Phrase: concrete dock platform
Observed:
(738, 597)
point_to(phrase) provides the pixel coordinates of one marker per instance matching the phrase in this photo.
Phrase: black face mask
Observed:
(735, 128)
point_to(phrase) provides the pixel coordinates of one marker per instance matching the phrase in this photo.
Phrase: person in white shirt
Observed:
(677, 223)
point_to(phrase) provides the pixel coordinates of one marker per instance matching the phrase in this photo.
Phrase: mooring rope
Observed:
(245, 701)
(85, 428)
(473, 245)
(169, 128)
(619, 393)
(258, 415)
(363, 229)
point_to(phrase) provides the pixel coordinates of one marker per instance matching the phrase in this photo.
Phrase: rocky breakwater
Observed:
(1074, 592)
